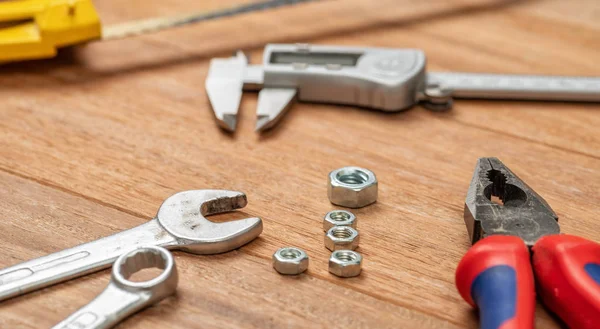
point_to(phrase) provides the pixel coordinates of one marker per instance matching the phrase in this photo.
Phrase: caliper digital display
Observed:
(314, 58)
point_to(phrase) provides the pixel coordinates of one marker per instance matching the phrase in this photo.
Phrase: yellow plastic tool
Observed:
(32, 29)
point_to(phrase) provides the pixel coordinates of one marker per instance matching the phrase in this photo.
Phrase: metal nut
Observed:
(345, 263)
(352, 187)
(290, 260)
(339, 218)
(341, 238)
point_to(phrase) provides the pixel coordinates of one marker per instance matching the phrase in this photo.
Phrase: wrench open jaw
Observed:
(182, 216)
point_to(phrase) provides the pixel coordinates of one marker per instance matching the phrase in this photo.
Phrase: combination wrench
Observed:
(179, 224)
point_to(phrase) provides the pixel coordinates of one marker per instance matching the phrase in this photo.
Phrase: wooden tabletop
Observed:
(92, 142)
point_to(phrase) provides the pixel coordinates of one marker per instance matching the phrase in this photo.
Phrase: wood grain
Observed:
(92, 142)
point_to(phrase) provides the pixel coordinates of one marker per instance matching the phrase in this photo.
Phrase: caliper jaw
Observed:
(226, 81)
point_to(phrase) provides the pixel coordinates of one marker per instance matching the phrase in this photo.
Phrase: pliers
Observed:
(497, 274)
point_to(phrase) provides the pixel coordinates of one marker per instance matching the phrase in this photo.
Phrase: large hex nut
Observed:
(290, 260)
(352, 187)
(345, 263)
(339, 218)
(341, 238)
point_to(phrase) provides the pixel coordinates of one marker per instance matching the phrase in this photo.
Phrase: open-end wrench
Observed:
(179, 224)
(385, 79)
(122, 297)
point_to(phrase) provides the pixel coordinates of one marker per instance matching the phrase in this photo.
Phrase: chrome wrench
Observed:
(385, 79)
(179, 224)
(122, 297)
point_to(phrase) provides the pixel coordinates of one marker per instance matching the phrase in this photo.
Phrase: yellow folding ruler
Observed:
(34, 29)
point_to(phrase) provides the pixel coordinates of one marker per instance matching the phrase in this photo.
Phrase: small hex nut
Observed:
(352, 187)
(341, 238)
(339, 218)
(290, 261)
(345, 263)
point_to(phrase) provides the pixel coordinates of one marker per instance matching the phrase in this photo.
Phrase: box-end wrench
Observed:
(122, 297)
(179, 224)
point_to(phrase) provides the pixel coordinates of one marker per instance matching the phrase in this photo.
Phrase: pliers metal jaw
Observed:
(522, 212)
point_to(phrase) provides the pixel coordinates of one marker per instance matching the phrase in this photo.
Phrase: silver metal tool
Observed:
(179, 224)
(122, 297)
(385, 79)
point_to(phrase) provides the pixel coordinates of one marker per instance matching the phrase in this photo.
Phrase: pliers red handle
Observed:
(497, 273)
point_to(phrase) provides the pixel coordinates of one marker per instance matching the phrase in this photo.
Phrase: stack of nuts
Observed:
(342, 238)
(350, 187)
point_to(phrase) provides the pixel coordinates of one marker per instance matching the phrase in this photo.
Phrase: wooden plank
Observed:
(128, 169)
(121, 131)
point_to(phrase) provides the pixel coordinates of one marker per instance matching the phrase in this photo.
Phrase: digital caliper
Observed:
(385, 79)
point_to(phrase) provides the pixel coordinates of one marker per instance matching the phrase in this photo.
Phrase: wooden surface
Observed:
(91, 143)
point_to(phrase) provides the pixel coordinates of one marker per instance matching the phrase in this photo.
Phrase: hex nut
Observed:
(339, 218)
(290, 261)
(352, 187)
(345, 263)
(341, 238)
